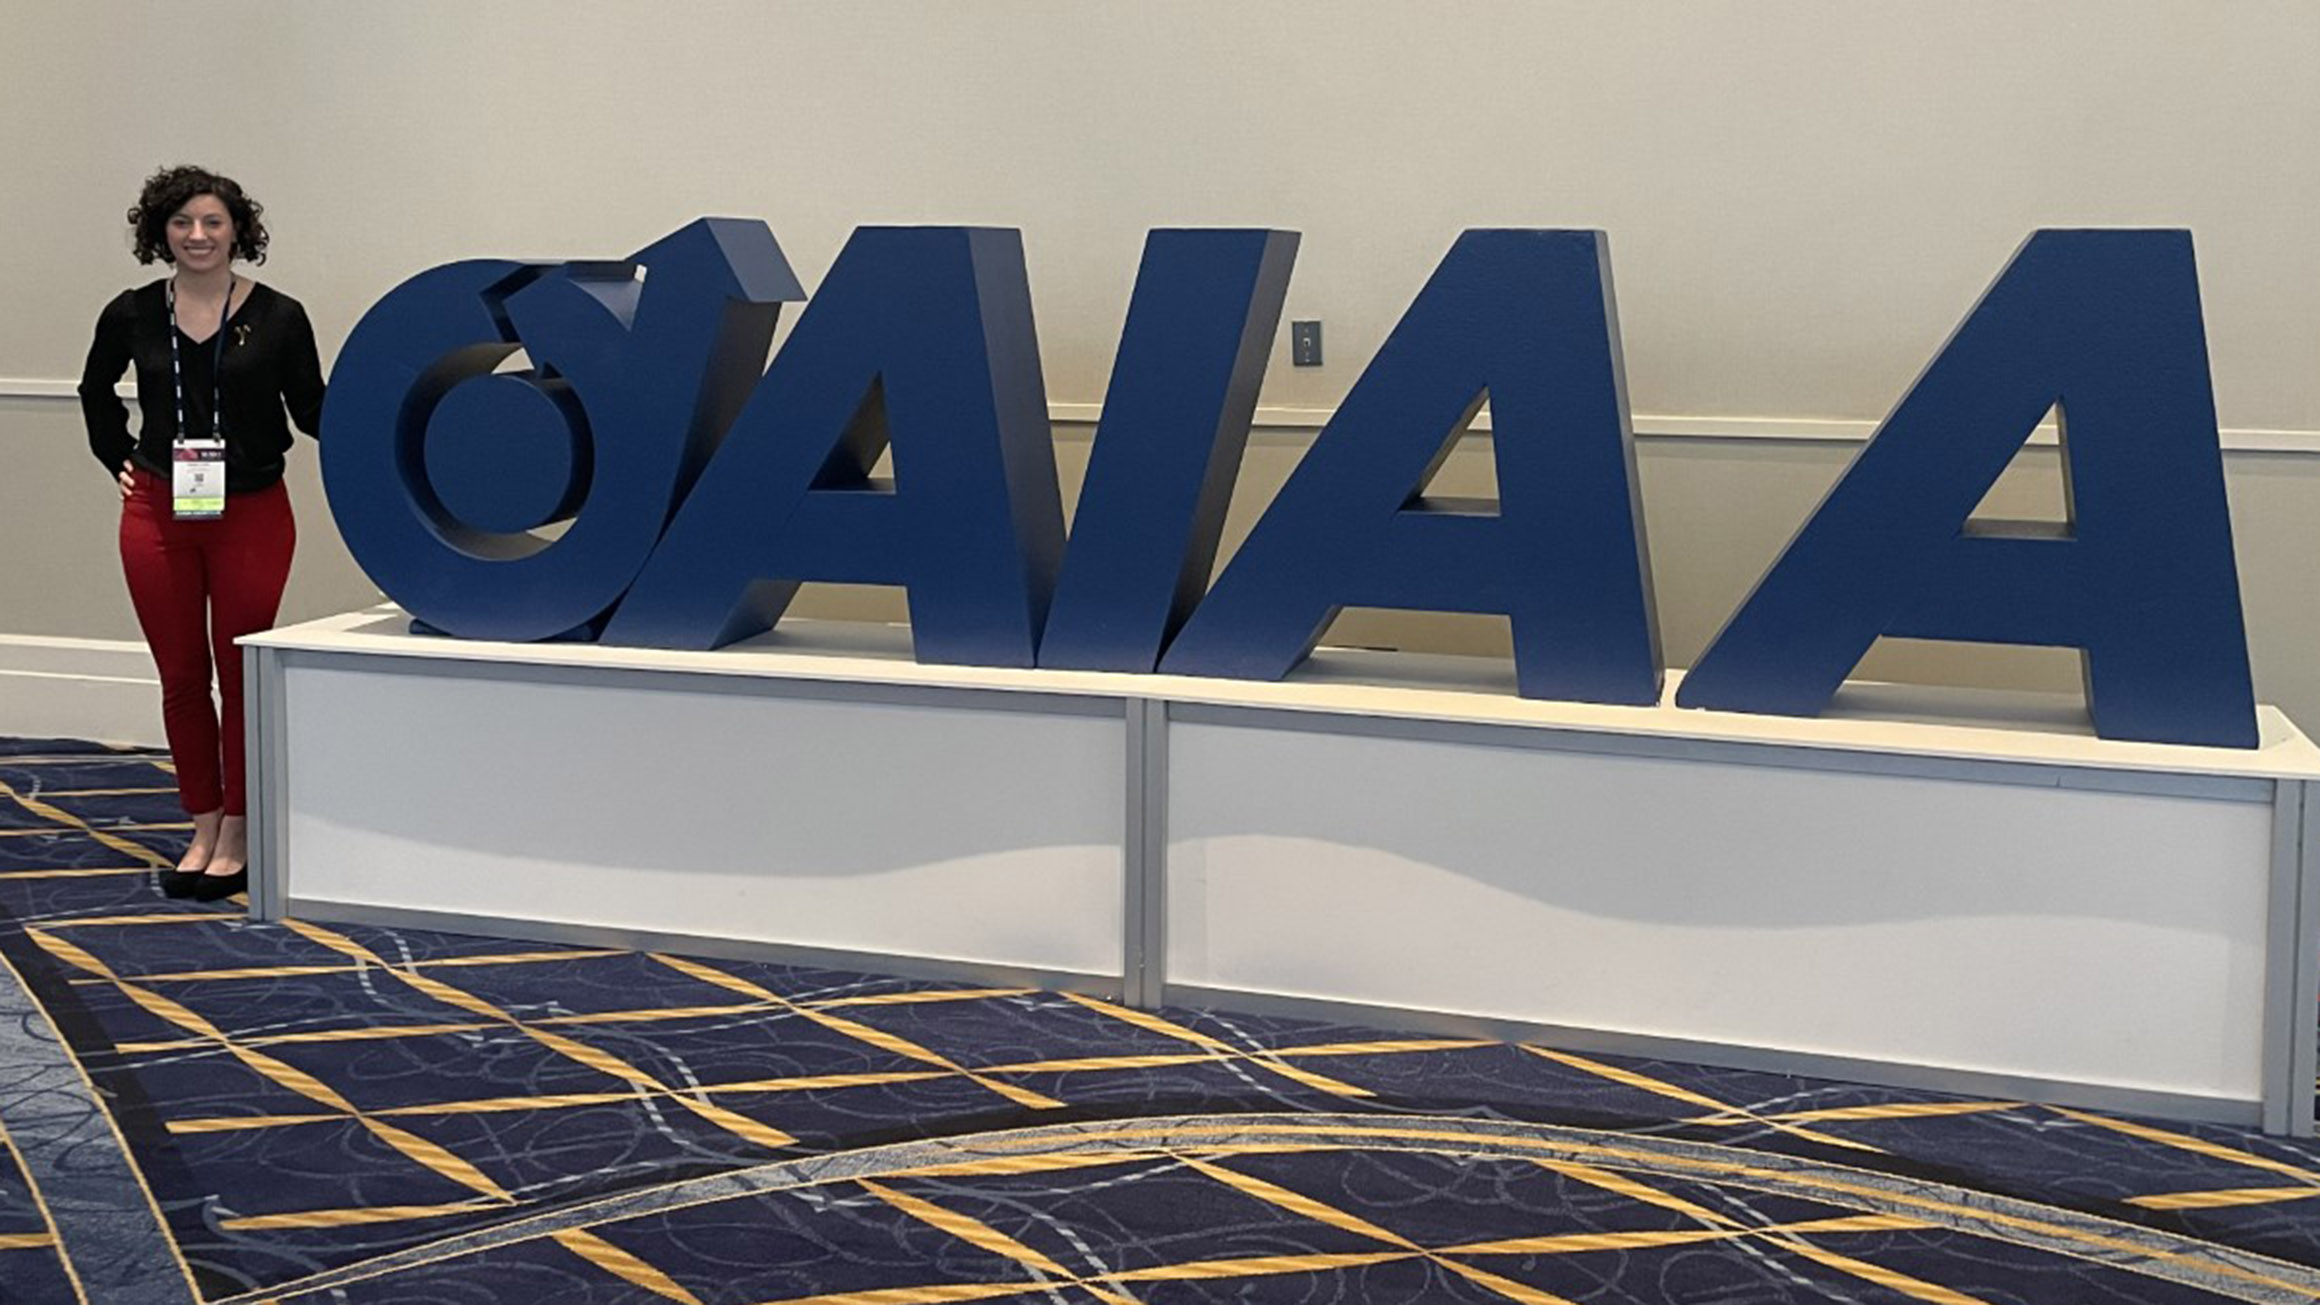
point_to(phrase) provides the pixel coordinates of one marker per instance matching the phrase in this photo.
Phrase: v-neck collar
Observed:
(232, 311)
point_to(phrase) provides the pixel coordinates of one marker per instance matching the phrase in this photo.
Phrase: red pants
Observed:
(198, 586)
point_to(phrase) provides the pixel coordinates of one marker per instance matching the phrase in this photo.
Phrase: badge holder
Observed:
(197, 480)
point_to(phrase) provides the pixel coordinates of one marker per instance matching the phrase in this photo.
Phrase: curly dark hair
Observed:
(171, 189)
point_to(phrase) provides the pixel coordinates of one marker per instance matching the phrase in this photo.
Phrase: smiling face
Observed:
(201, 235)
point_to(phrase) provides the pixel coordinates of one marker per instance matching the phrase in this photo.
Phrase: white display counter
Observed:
(1956, 891)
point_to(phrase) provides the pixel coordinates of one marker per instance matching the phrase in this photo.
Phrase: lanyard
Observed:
(217, 403)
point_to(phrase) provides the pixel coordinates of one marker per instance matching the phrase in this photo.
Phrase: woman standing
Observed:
(206, 529)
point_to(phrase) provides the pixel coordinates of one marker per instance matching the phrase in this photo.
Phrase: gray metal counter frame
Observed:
(2290, 1055)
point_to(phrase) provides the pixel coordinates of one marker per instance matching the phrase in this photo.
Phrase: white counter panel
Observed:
(951, 832)
(2053, 932)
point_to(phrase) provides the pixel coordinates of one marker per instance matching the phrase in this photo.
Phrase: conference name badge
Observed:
(197, 480)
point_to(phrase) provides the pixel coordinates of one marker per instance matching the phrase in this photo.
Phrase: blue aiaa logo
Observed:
(701, 487)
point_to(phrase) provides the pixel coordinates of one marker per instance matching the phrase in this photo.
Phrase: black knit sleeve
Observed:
(302, 372)
(101, 409)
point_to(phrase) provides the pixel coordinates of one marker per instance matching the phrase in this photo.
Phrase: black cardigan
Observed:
(270, 362)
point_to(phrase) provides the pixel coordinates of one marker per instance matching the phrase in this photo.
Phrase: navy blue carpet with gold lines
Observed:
(194, 1106)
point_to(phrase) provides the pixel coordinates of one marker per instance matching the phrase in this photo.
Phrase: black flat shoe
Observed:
(180, 883)
(217, 888)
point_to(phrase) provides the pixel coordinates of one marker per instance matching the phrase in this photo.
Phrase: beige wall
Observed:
(1803, 197)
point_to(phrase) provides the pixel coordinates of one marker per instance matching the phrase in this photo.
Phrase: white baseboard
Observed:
(100, 689)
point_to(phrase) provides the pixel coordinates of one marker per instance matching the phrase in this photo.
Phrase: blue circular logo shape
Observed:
(441, 470)
(509, 453)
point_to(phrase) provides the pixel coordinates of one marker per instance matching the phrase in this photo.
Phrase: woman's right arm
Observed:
(101, 408)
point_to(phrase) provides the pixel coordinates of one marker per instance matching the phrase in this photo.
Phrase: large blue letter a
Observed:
(2104, 328)
(1523, 319)
(920, 337)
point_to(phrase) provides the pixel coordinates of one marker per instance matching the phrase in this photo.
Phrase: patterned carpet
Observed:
(197, 1107)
